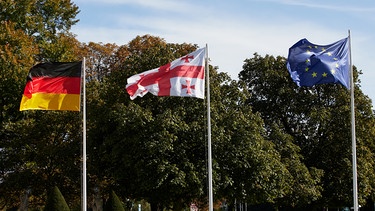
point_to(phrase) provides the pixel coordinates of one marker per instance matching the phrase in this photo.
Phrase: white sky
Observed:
(235, 30)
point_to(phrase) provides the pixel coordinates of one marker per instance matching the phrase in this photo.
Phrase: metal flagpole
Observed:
(210, 192)
(354, 151)
(84, 192)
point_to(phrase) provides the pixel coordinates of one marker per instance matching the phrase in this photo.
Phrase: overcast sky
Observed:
(235, 30)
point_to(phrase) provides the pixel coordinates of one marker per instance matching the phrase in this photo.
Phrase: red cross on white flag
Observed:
(182, 77)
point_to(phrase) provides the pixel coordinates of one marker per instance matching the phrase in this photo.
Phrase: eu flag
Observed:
(311, 64)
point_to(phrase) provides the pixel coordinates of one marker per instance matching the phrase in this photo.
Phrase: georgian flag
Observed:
(182, 77)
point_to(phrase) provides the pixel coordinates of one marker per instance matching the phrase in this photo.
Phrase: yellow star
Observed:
(333, 71)
(307, 69)
(314, 74)
(323, 50)
(324, 74)
(307, 61)
(329, 54)
(316, 47)
(310, 46)
(337, 65)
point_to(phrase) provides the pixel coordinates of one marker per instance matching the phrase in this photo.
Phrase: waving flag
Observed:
(182, 77)
(53, 86)
(311, 64)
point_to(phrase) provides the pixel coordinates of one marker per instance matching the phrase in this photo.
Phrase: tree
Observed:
(248, 167)
(32, 148)
(113, 203)
(145, 171)
(166, 163)
(315, 122)
(46, 21)
(56, 201)
(99, 60)
(17, 50)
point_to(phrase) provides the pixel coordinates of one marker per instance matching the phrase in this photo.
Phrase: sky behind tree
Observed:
(235, 30)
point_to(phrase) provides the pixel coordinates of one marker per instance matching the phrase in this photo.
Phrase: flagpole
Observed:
(354, 151)
(210, 192)
(84, 192)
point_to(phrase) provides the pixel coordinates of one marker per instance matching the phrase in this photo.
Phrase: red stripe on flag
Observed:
(187, 71)
(166, 74)
(57, 85)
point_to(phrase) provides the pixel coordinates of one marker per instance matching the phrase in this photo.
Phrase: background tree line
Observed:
(273, 142)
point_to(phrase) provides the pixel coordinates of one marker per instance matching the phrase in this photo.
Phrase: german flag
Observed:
(53, 86)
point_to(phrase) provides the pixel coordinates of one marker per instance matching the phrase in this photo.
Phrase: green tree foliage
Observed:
(113, 203)
(38, 149)
(247, 167)
(100, 59)
(40, 18)
(56, 201)
(154, 148)
(151, 169)
(17, 51)
(311, 127)
(47, 21)
(46, 152)
(43, 19)
(16, 56)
